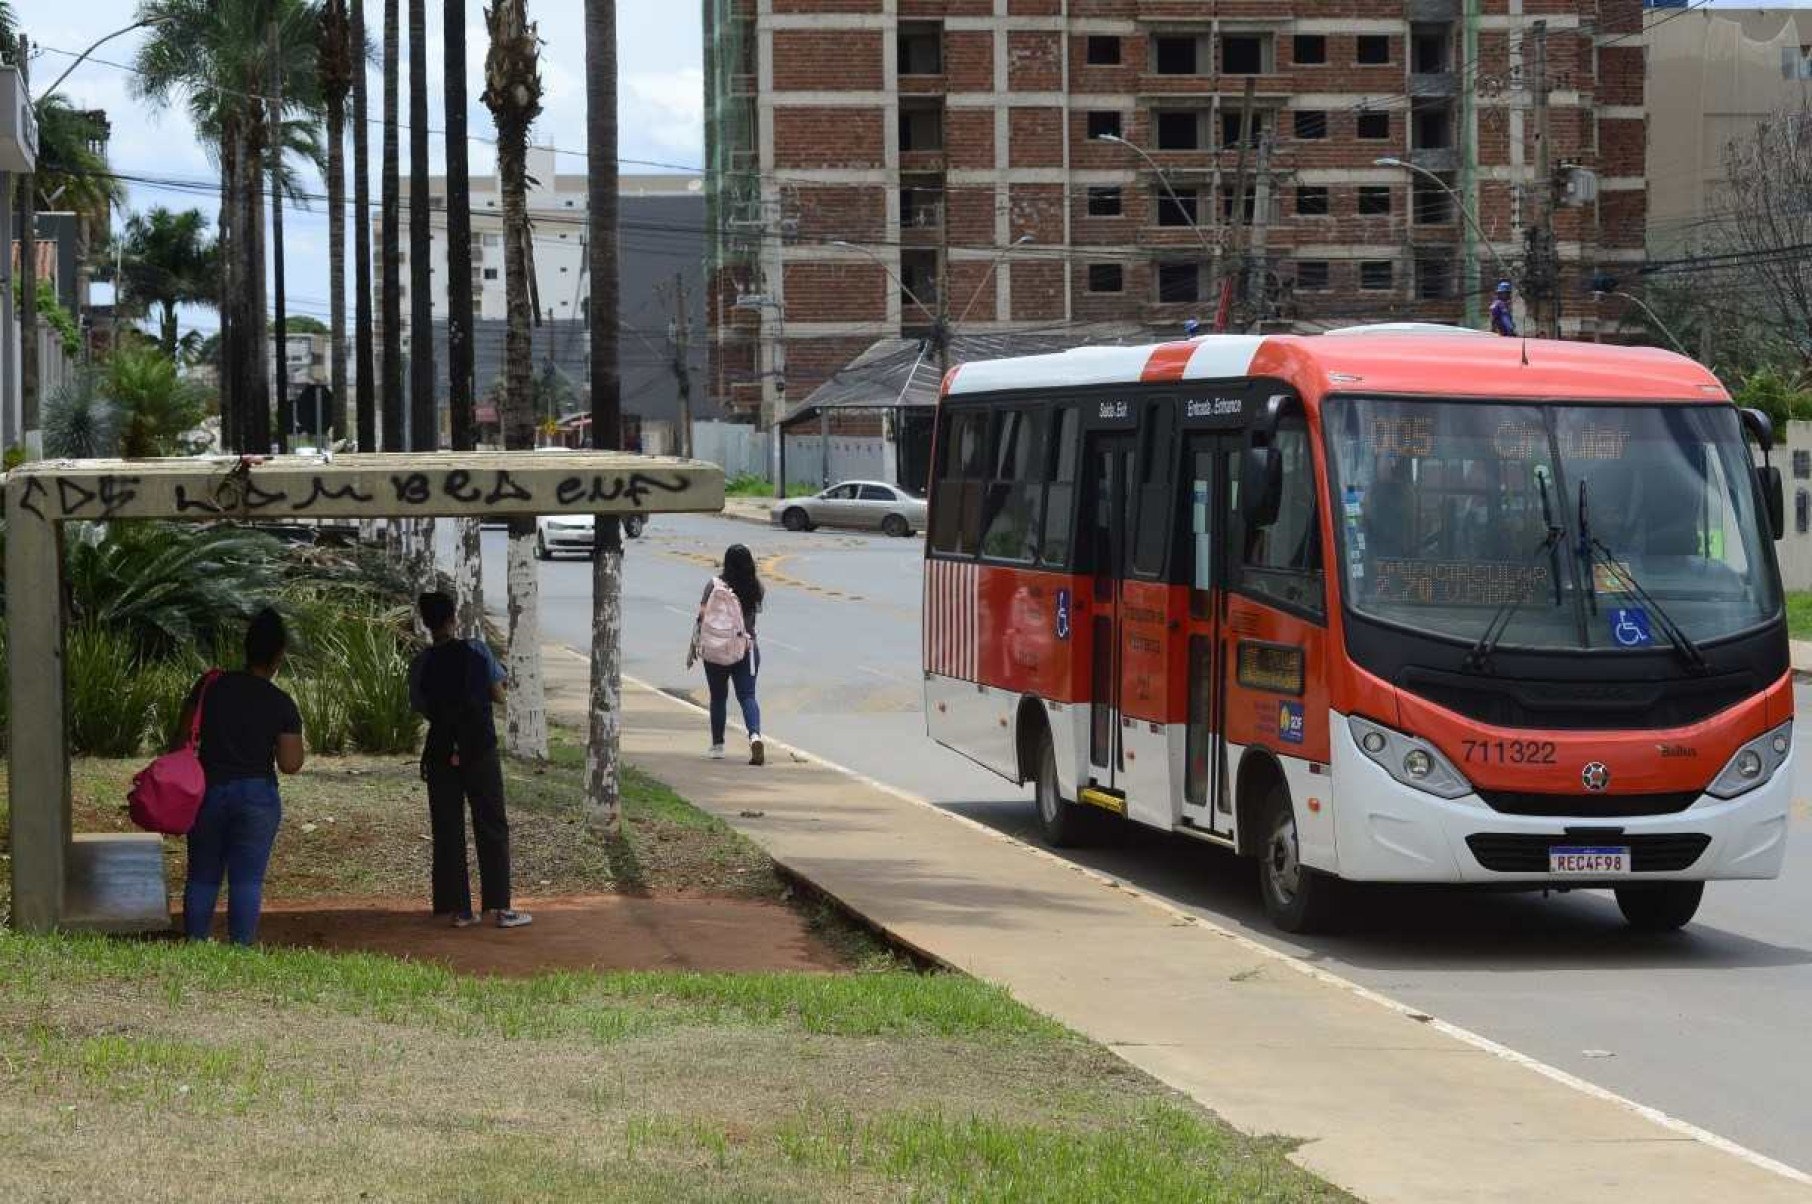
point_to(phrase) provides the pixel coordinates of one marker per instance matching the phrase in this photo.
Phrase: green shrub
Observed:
(167, 586)
(372, 674)
(111, 695)
(79, 423)
(326, 719)
(172, 682)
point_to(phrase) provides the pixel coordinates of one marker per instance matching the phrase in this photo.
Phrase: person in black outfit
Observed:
(250, 729)
(453, 683)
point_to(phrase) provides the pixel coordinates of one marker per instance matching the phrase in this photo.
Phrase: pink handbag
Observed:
(167, 794)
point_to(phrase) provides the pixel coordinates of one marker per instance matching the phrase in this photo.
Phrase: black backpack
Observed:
(459, 715)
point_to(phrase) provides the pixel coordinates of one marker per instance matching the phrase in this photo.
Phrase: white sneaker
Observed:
(717, 752)
(514, 919)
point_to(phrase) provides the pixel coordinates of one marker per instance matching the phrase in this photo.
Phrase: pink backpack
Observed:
(167, 793)
(721, 637)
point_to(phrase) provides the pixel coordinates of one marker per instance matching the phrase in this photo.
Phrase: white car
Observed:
(868, 504)
(575, 533)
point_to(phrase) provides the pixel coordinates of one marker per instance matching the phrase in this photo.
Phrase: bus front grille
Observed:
(1587, 806)
(1579, 705)
(1525, 853)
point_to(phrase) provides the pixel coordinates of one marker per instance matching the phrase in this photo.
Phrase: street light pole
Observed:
(1163, 179)
(102, 41)
(1471, 218)
(777, 456)
(1601, 294)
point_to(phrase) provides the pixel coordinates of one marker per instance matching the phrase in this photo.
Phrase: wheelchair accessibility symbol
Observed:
(1063, 614)
(1630, 629)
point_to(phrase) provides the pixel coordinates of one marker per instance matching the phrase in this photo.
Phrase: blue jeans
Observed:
(231, 842)
(742, 674)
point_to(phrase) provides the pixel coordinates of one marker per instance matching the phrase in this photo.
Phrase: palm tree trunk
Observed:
(167, 328)
(280, 323)
(468, 571)
(361, 202)
(336, 264)
(525, 715)
(391, 395)
(257, 301)
(602, 794)
(28, 317)
(424, 435)
(231, 403)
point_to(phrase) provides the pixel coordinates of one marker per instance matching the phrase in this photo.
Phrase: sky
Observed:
(660, 100)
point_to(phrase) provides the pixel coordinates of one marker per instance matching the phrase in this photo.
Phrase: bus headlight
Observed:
(1754, 763)
(1409, 760)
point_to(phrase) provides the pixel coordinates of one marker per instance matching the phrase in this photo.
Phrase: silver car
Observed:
(867, 504)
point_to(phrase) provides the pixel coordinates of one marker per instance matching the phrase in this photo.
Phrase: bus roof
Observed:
(1452, 363)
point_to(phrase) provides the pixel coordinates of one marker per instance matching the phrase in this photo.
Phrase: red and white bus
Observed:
(1385, 605)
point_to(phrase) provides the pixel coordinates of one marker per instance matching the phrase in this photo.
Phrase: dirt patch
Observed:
(579, 932)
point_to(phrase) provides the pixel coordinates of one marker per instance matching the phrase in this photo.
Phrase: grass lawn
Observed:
(1799, 614)
(157, 1070)
(161, 1071)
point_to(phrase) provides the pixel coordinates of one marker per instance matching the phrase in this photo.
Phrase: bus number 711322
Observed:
(1511, 752)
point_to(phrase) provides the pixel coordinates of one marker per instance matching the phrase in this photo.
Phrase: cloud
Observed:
(664, 111)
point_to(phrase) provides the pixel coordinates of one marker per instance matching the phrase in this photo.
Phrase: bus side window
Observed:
(1283, 560)
(1010, 506)
(956, 503)
(1064, 452)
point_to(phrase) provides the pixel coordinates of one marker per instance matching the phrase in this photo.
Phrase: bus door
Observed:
(1108, 515)
(1210, 498)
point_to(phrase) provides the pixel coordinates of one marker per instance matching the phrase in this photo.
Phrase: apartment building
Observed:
(661, 235)
(1045, 165)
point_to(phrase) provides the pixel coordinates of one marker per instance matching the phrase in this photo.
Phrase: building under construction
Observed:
(943, 167)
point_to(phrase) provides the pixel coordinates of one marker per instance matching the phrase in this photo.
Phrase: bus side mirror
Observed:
(1760, 427)
(1774, 497)
(1260, 487)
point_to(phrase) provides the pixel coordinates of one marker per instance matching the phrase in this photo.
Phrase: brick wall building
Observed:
(870, 157)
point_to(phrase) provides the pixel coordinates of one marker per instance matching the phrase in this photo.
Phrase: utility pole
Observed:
(679, 336)
(1542, 257)
(27, 185)
(1236, 219)
(1257, 282)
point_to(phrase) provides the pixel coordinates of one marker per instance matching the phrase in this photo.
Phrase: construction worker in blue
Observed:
(1502, 320)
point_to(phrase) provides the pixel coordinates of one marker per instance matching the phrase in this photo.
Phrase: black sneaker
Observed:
(757, 754)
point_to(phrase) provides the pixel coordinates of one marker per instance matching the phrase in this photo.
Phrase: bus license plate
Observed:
(1593, 861)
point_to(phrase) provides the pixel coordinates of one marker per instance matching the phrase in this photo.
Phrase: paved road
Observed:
(1709, 1025)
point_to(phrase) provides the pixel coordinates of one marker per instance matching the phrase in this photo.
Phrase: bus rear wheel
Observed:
(1659, 906)
(1064, 824)
(1298, 899)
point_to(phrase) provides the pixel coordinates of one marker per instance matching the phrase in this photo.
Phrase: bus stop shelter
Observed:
(114, 881)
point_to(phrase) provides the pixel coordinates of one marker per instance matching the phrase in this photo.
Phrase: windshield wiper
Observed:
(1593, 551)
(1479, 656)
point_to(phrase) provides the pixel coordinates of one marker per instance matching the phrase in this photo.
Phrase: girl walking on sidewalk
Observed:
(724, 638)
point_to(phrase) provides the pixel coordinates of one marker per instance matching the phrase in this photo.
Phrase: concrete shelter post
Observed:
(39, 784)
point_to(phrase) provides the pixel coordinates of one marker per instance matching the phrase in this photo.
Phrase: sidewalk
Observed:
(750, 510)
(1391, 1106)
(1801, 652)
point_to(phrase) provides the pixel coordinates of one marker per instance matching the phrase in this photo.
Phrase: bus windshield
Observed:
(1592, 526)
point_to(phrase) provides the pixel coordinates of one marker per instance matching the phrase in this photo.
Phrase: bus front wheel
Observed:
(1298, 899)
(1659, 906)
(1064, 824)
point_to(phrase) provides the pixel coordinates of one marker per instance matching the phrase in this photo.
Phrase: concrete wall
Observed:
(744, 451)
(1793, 456)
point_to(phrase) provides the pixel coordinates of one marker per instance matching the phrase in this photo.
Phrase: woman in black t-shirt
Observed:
(250, 729)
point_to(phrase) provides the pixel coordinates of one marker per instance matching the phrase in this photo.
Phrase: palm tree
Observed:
(336, 67)
(168, 260)
(512, 92)
(361, 241)
(602, 794)
(216, 55)
(390, 244)
(468, 572)
(70, 173)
